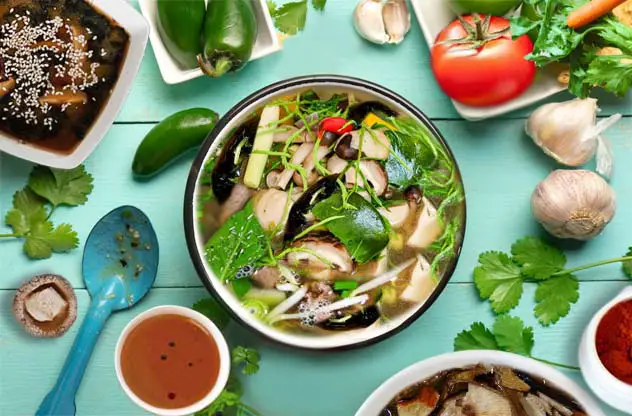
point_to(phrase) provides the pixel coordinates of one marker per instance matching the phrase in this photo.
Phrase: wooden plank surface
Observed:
(290, 383)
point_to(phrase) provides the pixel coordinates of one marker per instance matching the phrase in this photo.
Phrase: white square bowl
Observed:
(132, 21)
(173, 73)
(434, 15)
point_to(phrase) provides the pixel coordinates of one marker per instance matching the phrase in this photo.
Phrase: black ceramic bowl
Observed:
(363, 90)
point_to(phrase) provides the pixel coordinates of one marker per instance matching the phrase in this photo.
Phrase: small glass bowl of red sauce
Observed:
(605, 352)
(172, 361)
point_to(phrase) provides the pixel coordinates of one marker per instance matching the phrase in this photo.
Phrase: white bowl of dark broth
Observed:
(66, 67)
(479, 383)
(325, 212)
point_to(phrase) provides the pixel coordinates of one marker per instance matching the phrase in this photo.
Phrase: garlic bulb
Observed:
(575, 204)
(381, 22)
(569, 133)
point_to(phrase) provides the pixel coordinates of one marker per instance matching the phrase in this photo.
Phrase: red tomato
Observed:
(482, 73)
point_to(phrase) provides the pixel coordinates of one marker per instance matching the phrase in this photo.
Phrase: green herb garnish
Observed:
(508, 334)
(341, 285)
(290, 18)
(249, 357)
(214, 311)
(500, 277)
(33, 206)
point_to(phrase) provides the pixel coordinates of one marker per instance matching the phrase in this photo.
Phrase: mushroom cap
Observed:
(61, 323)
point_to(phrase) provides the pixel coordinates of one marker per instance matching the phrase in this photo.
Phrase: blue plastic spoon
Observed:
(120, 261)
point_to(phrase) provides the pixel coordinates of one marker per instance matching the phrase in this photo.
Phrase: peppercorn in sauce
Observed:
(59, 62)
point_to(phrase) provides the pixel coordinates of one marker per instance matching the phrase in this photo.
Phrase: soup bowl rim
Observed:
(217, 138)
(213, 330)
(422, 370)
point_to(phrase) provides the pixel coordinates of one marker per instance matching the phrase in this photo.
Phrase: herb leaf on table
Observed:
(249, 357)
(214, 311)
(239, 242)
(58, 186)
(500, 278)
(508, 334)
(319, 4)
(362, 230)
(289, 18)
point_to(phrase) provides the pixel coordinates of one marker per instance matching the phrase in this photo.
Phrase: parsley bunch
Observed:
(500, 277)
(290, 18)
(508, 334)
(34, 205)
(248, 358)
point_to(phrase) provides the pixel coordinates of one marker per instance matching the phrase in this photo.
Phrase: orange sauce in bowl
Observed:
(170, 361)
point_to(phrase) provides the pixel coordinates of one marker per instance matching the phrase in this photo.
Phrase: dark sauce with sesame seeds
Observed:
(59, 62)
(169, 361)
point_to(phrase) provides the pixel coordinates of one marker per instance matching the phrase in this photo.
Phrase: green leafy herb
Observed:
(627, 265)
(319, 4)
(290, 18)
(508, 334)
(239, 242)
(30, 215)
(342, 285)
(241, 286)
(500, 278)
(248, 357)
(214, 311)
(362, 230)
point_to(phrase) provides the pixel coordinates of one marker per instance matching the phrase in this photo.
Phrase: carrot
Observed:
(590, 12)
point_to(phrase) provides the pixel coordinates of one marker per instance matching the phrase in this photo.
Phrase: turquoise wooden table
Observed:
(500, 167)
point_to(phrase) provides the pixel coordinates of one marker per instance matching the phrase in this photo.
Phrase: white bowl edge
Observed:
(222, 346)
(606, 386)
(136, 26)
(171, 72)
(433, 16)
(422, 370)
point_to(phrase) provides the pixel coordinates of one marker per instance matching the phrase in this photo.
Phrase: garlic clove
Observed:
(396, 20)
(576, 204)
(368, 21)
(565, 131)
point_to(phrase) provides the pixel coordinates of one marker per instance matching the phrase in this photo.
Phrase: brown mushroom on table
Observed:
(46, 306)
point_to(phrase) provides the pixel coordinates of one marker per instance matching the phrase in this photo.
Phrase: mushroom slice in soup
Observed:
(374, 174)
(421, 405)
(428, 227)
(321, 253)
(271, 207)
(239, 196)
(396, 214)
(375, 144)
(483, 401)
(421, 282)
(336, 165)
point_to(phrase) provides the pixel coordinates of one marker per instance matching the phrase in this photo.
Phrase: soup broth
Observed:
(323, 213)
(59, 61)
(483, 390)
(170, 361)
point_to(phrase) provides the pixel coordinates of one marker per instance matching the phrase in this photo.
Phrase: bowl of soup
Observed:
(66, 67)
(325, 212)
(477, 383)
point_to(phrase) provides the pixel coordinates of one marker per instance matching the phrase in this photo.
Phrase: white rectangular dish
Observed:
(132, 21)
(172, 73)
(433, 16)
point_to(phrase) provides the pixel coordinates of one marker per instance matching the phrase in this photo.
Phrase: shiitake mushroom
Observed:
(362, 319)
(297, 222)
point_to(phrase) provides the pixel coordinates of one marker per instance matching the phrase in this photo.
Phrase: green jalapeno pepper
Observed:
(171, 138)
(180, 24)
(230, 32)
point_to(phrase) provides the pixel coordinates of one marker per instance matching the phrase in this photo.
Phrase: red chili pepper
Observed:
(336, 125)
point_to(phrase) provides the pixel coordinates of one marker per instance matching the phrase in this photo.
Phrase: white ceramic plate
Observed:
(433, 16)
(427, 368)
(128, 18)
(172, 73)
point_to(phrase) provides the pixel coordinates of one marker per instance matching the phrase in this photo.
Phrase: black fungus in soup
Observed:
(324, 215)
(59, 62)
(483, 390)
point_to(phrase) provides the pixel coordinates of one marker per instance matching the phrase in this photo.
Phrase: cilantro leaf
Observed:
(554, 298)
(272, 7)
(537, 258)
(627, 265)
(291, 17)
(498, 279)
(225, 400)
(512, 335)
(214, 311)
(28, 209)
(43, 240)
(478, 337)
(249, 357)
(58, 186)
(239, 242)
(319, 4)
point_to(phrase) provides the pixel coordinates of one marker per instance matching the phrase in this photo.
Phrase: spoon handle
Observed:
(61, 399)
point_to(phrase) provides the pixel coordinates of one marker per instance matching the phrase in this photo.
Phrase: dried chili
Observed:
(614, 341)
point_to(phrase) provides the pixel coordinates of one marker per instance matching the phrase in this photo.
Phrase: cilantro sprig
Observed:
(500, 278)
(33, 206)
(246, 358)
(508, 334)
(290, 18)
